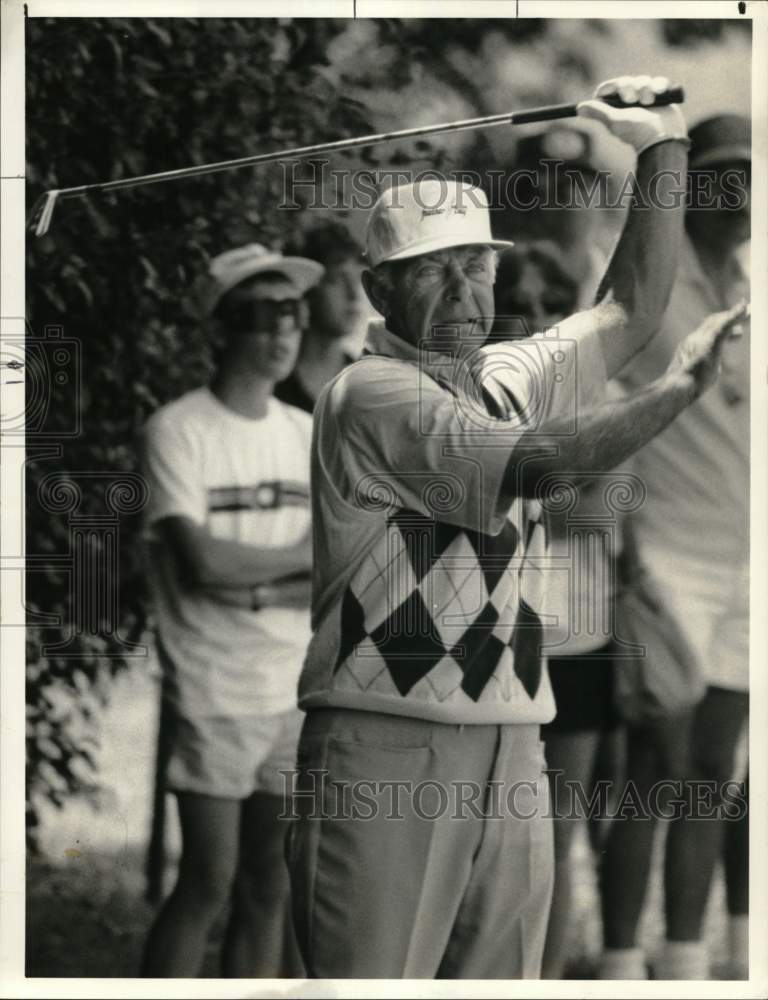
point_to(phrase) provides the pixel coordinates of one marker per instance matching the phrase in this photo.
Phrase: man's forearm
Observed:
(635, 291)
(229, 564)
(606, 437)
(207, 561)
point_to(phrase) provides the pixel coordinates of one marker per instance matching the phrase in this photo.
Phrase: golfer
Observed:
(422, 847)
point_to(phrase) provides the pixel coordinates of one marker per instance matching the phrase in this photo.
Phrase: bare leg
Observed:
(736, 863)
(256, 935)
(736, 860)
(176, 944)
(609, 767)
(573, 754)
(694, 845)
(653, 753)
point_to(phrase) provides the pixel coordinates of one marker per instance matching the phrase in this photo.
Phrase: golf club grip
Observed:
(674, 94)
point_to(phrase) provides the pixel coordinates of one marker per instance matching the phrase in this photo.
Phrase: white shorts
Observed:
(229, 758)
(710, 603)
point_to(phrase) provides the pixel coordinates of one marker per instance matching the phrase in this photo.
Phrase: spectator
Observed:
(228, 469)
(692, 541)
(334, 309)
(549, 203)
(534, 290)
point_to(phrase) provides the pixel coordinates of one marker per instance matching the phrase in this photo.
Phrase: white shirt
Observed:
(696, 471)
(247, 481)
(692, 531)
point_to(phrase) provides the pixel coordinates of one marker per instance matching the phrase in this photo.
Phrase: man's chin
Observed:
(278, 371)
(476, 332)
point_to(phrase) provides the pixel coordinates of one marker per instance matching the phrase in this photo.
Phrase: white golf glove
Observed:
(640, 127)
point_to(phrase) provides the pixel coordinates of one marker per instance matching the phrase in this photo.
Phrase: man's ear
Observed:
(374, 291)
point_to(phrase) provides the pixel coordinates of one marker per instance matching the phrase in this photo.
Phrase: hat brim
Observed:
(424, 247)
(723, 154)
(302, 273)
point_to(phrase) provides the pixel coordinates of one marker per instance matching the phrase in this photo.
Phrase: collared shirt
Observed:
(427, 580)
(696, 472)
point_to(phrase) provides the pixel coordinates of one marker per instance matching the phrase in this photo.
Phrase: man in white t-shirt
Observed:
(229, 530)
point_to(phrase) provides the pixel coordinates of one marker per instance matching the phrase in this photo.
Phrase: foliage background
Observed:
(114, 97)
(119, 274)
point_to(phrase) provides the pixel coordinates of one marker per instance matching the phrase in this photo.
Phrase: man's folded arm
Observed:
(209, 562)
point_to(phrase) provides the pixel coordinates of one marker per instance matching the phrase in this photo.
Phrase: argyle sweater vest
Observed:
(438, 615)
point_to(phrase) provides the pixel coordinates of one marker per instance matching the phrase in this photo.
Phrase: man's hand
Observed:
(641, 127)
(290, 592)
(303, 549)
(697, 359)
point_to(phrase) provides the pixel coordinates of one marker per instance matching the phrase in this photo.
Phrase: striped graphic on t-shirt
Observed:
(267, 495)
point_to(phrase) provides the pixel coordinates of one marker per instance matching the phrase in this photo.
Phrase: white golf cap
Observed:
(234, 266)
(429, 215)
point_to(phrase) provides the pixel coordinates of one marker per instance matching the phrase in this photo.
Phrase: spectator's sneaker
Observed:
(581, 967)
(730, 971)
(622, 963)
(682, 960)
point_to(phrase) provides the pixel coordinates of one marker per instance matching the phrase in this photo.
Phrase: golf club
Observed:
(43, 209)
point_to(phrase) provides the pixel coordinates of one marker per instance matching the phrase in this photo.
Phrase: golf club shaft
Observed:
(673, 95)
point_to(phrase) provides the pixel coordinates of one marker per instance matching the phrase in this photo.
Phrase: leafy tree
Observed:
(106, 99)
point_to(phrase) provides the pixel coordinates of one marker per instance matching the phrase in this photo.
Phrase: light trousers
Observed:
(420, 849)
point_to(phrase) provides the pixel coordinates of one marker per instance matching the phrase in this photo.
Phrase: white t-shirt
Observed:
(697, 470)
(692, 531)
(246, 481)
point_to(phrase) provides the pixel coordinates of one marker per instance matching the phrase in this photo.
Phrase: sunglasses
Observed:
(262, 315)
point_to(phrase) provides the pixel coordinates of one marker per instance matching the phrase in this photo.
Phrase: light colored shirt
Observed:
(428, 584)
(247, 481)
(585, 540)
(696, 472)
